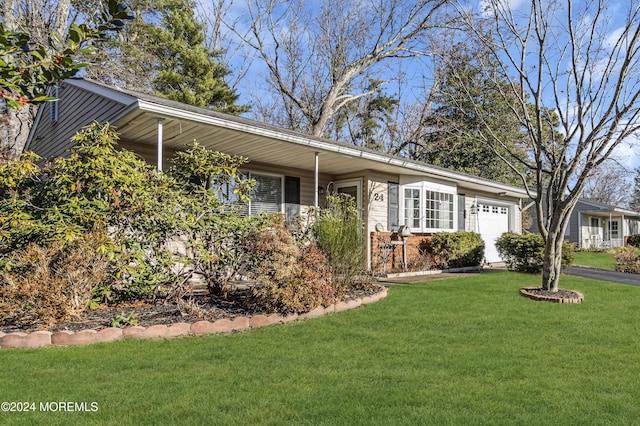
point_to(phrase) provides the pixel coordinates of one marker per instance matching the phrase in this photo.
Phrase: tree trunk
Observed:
(552, 262)
(18, 123)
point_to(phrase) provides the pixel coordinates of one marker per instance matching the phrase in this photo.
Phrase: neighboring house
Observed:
(294, 171)
(598, 225)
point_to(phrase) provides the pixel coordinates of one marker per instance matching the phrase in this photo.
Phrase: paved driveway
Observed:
(602, 275)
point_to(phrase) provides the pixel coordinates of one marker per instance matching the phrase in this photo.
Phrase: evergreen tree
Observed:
(454, 135)
(189, 71)
(163, 52)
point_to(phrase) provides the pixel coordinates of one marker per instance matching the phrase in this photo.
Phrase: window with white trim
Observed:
(438, 210)
(412, 207)
(428, 206)
(266, 196)
(613, 226)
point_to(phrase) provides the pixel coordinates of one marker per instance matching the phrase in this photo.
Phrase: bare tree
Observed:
(220, 18)
(321, 58)
(575, 70)
(609, 184)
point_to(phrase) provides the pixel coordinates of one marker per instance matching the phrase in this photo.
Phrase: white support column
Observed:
(160, 122)
(316, 182)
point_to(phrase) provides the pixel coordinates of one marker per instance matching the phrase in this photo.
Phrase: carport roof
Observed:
(137, 121)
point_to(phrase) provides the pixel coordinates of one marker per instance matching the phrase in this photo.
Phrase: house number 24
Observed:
(378, 196)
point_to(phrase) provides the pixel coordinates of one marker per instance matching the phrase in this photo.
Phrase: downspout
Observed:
(160, 122)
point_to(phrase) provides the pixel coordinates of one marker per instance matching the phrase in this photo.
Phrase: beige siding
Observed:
(377, 192)
(53, 139)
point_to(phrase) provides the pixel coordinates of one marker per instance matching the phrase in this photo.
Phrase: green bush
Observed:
(634, 240)
(457, 249)
(338, 233)
(525, 252)
(100, 187)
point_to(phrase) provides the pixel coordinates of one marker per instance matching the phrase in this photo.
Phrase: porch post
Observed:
(160, 121)
(316, 182)
(621, 228)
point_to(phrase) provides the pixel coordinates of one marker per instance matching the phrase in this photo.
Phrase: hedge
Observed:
(525, 253)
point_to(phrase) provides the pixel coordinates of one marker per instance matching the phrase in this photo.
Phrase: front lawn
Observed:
(467, 350)
(592, 259)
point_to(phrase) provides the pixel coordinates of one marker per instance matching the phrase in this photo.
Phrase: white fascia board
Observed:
(109, 93)
(319, 145)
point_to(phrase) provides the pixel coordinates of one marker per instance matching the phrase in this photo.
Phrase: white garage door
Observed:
(493, 221)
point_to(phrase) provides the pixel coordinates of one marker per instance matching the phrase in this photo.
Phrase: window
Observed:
(412, 207)
(266, 196)
(614, 229)
(226, 195)
(439, 210)
(430, 206)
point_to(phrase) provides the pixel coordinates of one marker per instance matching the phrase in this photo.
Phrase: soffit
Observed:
(268, 145)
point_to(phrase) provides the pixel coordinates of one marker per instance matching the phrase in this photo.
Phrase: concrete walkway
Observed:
(602, 275)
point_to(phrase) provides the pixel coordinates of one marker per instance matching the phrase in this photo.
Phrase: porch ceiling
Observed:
(178, 133)
(614, 213)
(269, 145)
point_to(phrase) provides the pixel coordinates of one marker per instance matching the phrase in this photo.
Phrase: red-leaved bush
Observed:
(43, 285)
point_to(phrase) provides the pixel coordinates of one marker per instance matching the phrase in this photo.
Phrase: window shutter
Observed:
(461, 212)
(291, 198)
(393, 198)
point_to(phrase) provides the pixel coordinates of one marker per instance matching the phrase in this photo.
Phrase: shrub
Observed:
(457, 249)
(525, 253)
(101, 187)
(338, 233)
(627, 260)
(634, 240)
(308, 286)
(42, 285)
(292, 279)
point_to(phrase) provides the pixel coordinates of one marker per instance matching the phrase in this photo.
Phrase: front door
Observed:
(352, 187)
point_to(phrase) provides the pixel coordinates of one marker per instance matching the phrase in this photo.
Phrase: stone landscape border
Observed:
(526, 293)
(38, 339)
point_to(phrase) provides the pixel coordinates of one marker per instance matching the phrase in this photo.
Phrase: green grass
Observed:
(459, 351)
(591, 259)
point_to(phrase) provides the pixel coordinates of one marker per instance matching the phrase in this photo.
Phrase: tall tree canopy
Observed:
(165, 51)
(322, 59)
(470, 99)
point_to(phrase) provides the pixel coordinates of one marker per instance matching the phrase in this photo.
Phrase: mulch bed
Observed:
(238, 303)
(559, 296)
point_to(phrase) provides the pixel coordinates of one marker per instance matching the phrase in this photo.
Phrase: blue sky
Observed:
(627, 153)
